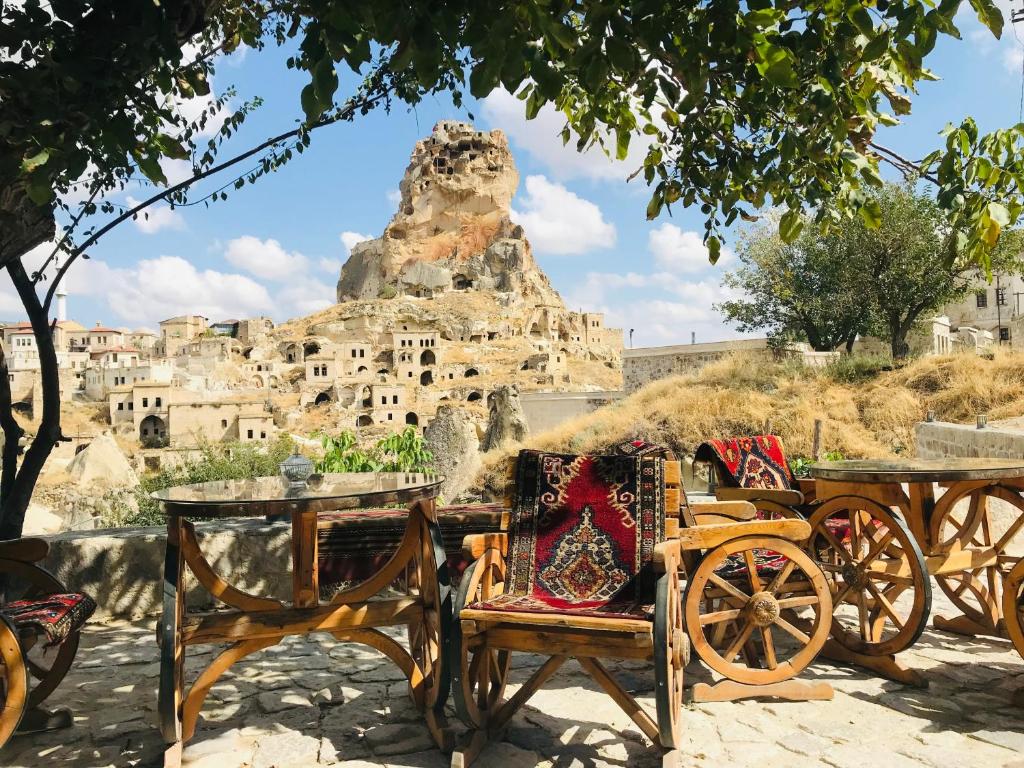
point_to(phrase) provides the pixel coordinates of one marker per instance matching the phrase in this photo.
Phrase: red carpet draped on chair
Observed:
(582, 534)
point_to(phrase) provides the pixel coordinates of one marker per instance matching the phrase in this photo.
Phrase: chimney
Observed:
(693, 337)
(62, 305)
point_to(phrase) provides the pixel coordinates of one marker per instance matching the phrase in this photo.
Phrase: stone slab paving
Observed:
(312, 702)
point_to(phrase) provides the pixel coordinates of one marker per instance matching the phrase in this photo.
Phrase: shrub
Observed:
(221, 461)
(403, 451)
(853, 369)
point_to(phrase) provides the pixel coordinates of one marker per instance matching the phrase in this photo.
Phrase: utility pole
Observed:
(999, 310)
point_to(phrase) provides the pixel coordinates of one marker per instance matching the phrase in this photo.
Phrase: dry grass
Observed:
(744, 395)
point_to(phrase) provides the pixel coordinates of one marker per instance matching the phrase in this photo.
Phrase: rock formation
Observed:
(506, 421)
(452, 230)
(452, 439)
(102, 463)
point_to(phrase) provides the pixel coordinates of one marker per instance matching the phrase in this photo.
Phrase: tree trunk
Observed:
(23, 224)
(850, 341)
(12, 433)
(12, 512)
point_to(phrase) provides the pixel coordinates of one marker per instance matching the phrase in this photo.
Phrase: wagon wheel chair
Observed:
(40, 623)
(876, 572)
(988, 595)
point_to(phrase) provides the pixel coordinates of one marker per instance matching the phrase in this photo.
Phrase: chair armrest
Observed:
(475, 544)
(709, 536)
(667, 555)
(24, 550)
(706, 512)
(789, 498)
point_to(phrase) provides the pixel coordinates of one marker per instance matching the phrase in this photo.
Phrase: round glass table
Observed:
(965, 519)
(248, 623)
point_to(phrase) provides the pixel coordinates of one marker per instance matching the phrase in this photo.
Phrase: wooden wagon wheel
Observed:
(671, 655)
(428, 638)
(1013, 606)
(978, 591)
(47, 666)
(479, 673)
(13, 682)
(874, 564)
(750, 616)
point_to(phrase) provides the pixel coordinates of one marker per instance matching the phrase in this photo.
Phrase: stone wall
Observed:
(122, 568)
(546, 410)
(938, 440)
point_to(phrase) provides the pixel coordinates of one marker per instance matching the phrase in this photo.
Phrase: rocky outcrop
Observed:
(102, 464)
(506, 421)
(451, 437)
(452, 230)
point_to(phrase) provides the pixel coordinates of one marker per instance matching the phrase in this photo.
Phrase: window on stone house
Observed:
(157, 403)
(223, 423)
(362, 353)
(394, 399)
(1004, 334)
(353, 353)
(981, 299)
(263, 435)
(249, 433)
(383, 400)
(120, 406)
(131, 406)
(1001, 297)
(391, 416)
(145, 402)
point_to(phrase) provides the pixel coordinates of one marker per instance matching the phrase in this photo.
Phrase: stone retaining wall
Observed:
(938, 440)
(122, 568)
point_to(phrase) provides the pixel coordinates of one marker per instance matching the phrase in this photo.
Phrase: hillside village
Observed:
(446, 305)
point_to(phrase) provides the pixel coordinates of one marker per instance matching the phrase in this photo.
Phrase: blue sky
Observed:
(275, 248)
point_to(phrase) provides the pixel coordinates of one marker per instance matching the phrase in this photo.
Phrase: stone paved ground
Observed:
(313, 702)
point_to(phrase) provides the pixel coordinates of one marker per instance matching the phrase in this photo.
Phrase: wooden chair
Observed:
(1013, 613)
(39, 632)
(754, 468)
(587, 566)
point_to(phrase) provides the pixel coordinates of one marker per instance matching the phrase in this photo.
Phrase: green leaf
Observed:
(620, 53)
(484, 77)
(878, 45)
(998, 213)
(171, 147)
(871, 214)
(790, 226)
(310, 104)
(776, 64)
(989, 15)
(621, 144)
(150, 166)
(714, 249)
(325, 82)
(30, 163)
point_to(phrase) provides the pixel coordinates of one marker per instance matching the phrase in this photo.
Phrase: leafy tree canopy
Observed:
(834, 283)
(742, 105)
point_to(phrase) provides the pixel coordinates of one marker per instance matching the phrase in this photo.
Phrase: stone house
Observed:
(990, 306)
(217, 420)
(176, 332)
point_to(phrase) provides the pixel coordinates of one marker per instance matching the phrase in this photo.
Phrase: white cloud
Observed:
(265, 259)
(394, 196)
(351, 239)
(541, 139)
(304, 296)
(158, 288)
(156, 217)
(329, 265)
(1013, 59)
(558, 221)
(680, 250)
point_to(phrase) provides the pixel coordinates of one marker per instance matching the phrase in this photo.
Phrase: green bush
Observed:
(801, 465)
(403, 451)
(853, 369)
(221, 461)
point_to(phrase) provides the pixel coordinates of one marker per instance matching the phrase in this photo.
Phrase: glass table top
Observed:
(917, 470)
(275, 495)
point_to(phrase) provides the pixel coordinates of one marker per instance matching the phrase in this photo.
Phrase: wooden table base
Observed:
(886, 666)
(258, 623)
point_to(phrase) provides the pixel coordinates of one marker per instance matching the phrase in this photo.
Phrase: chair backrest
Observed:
(584, 528)
(756, 461)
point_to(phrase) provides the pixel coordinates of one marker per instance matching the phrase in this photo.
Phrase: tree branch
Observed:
(344, 114)
(902, 163)
(12, 433)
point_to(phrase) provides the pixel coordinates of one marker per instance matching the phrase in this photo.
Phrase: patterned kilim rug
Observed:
(582, 534)
(758, 461)
(56, 616)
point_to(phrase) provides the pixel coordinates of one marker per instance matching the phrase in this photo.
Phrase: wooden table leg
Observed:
(172, 650)
(305, 574)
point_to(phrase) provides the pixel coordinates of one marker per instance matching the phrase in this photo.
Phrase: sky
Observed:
(275, 248)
